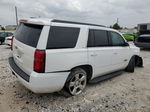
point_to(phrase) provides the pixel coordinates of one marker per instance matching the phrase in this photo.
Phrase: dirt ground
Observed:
(129, 92)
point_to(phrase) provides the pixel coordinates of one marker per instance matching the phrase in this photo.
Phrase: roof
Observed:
(42, 21)
(45, 21)
(143, 23)
(72, 22)
(145, 35)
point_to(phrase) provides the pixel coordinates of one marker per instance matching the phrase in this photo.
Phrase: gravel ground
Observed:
(129, 92)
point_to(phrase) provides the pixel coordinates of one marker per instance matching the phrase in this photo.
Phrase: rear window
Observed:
(62, 37)
(29, 34)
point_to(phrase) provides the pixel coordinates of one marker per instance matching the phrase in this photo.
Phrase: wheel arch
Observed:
(138, 61)
(87, 68)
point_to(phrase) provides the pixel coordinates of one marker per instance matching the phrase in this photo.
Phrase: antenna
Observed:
(16, 13)
(117, 20)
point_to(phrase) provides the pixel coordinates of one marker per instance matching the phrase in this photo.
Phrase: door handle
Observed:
(125, 60)
(115, 53)
(93, 54)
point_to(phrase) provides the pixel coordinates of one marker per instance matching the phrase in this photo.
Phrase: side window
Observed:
(62, 37)
(117, 39)
(101, 38)
(97, 38)
(90, 39)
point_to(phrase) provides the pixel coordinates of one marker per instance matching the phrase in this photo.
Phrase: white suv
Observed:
(53, 55)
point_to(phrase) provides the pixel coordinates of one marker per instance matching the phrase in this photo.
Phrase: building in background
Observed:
(128, 30)
(144, 28)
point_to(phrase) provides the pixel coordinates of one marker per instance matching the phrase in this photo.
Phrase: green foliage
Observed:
(111, 26)
(135, 34)
(129, 36)
(116, 26)
(2, 28)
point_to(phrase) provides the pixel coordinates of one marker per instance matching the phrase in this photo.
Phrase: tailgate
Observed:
(23, 56)
(24, 45)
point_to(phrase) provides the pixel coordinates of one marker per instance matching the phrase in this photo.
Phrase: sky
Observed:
(104, 12)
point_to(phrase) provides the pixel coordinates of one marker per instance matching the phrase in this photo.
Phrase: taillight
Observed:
(39, 61)
(12, 42)
(23, 21)
(9, 38)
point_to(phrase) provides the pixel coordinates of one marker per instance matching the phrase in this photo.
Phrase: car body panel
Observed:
(59, 62)
(23, 56)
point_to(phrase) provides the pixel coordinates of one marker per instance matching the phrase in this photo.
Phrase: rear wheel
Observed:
(131, 65)
(76, 82)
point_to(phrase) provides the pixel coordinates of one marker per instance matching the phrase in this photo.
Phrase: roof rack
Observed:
(71, 22)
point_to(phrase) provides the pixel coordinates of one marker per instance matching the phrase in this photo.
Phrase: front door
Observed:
(120, 51)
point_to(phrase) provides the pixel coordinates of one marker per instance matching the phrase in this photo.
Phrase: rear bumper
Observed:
(8, 42)
(17, 70)
(142, 44)
(39, 82)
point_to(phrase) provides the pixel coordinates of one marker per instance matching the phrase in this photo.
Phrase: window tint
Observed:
(62, 37)
(90, 39)
(97, 38)
(101, 38)
(117, 39)
(28, 34)
(143, 27)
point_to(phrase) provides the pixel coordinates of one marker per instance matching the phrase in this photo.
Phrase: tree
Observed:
(116, 26)
(110, 26)
(3, 28)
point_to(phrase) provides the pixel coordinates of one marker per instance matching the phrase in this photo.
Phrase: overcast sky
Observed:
(105, 12)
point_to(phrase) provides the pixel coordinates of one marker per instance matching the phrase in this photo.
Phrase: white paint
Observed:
(102, 59)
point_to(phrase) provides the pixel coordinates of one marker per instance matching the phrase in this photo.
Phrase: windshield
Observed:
(28, 34)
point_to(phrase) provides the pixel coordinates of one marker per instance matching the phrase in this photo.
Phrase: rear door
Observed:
(25, 43)
(99, 52)
(61, 52)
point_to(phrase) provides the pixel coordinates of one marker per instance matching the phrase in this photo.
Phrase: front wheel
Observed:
(76, 82)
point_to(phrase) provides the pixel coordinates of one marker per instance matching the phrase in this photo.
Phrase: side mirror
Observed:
(126, 44)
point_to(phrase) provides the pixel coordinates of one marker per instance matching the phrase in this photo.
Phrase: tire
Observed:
(131, 65)
(76, 83)
(138, 61)
(1, 42)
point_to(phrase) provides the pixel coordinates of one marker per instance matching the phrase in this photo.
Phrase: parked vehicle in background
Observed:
(8, 40)
(52, 55)
(143, 38)
(3, 35)
(143, 41)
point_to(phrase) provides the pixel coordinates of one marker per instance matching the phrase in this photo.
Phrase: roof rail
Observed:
(71, 22)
